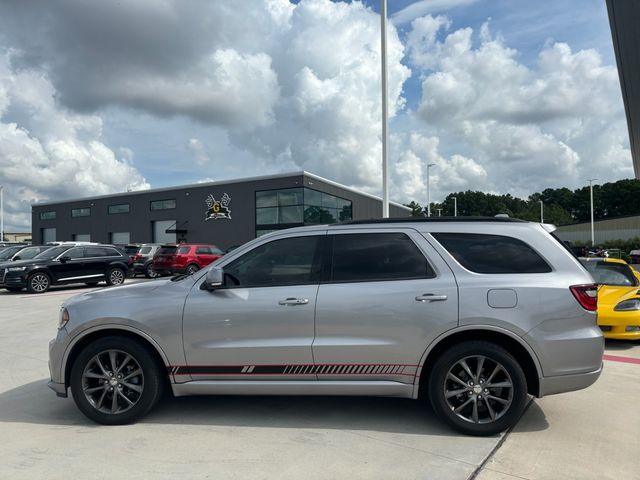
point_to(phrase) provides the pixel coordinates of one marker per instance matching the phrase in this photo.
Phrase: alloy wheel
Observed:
(478, 389)
(116, 277)
(39, 282)
(113, 382)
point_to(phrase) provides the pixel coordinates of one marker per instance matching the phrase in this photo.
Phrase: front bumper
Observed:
(59, 388)
(567, 383)
(14, 279)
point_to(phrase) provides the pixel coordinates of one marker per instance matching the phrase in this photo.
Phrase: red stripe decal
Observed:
(616, 358)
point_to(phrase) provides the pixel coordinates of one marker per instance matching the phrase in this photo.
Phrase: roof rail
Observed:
(434, 220)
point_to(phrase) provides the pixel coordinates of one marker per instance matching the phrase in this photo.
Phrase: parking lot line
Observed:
(616, 358)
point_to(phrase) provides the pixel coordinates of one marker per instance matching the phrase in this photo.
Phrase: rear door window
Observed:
(203, 251)
(365, 257)
(492, 254)
(183, 250)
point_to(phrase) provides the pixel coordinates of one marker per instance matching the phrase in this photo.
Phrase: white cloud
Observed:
(198, 150)
(551, 124)
(47, 152)
(423, 7)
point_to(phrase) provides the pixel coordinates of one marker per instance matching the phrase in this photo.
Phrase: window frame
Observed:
(80, 209)
(151, 202)
(128, 205)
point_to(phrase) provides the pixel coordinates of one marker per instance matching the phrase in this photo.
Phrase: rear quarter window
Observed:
(183, 250)
(492, 254)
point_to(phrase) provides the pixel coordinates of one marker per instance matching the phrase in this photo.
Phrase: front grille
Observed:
(3, 272)
(605, 328)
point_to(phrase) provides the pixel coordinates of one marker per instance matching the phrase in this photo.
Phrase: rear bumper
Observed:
(567, 383)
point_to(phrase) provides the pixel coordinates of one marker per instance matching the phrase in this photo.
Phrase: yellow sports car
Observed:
(618, 297)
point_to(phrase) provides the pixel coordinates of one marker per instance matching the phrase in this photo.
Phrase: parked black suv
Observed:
(66, 264)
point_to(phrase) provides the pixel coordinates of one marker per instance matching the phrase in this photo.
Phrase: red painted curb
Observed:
(615, 358)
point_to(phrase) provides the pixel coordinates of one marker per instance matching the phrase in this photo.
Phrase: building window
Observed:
(163, 204)
(288, 207)
(81, 237)
(119, 238)
(47, 215)
(122, 208)
(80, 212)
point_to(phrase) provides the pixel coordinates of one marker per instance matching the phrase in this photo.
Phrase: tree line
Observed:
(561, 205)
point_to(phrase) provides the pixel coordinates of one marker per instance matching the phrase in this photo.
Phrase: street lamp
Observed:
(455, 206)
(591, 180)
(541, 211)
(385, 119)
(428, 190)
(439, 212)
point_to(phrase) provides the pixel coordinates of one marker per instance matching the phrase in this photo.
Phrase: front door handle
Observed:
(430, 297)
(294, 301)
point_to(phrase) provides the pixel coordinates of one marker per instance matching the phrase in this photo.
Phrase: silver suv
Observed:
(472, 313)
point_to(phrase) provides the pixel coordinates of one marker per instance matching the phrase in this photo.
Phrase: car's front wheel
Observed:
(478, 388)
(38, 282)
(115, 381)
(191, 269)
(116, 276)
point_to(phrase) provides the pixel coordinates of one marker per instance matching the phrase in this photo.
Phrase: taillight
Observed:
(587, 296)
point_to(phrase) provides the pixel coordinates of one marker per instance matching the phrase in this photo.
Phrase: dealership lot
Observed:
(592, 433)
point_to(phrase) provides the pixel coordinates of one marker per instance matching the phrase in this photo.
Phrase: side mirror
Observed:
(17, 257)
(213, 280)
(65, 259)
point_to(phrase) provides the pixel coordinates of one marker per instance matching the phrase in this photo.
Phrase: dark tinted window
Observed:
(216, 251)
(183, 250)
(131, 249)
(168, 250)
(290, 261)
(74, 253)
(99, 252)
(203, 251)
(80, 212)
(492, 253)
(616, 274)
(377, 256)
(163, 204)
(47, 215)
(145, 250)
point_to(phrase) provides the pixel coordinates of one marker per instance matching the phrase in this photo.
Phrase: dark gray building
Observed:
(224, 213)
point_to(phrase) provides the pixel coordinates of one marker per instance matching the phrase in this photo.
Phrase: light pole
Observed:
(385, 119)
(591, 180)
(541, 211)
(455, 206)
(428, 190)
(439, 212)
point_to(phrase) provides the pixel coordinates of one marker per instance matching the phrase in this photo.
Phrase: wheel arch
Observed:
(91, 335)
(515, 345)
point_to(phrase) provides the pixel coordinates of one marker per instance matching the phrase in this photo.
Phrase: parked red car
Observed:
(184, 258)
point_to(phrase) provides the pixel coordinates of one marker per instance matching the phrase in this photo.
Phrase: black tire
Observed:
(149, 272)
(115, 276)
(38, 282)
(482, 409)
(150, 381)
(191, 269)
(14, 289)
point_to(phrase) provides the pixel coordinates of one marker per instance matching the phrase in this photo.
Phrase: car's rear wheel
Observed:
(38, 282)
(116, 276)
(115, 380)
(149, 272)
(478, 388)
(191, 269)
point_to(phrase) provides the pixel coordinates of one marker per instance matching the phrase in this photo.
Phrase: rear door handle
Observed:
(294, 301)
(430, 297)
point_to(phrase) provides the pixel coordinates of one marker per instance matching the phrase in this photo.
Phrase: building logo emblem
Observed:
(218, 209)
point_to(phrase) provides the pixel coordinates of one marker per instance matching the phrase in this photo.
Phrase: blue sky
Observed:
(504, 96)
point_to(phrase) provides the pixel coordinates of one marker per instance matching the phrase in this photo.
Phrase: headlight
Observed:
(64, 317)
(16, 269)
(628, 305)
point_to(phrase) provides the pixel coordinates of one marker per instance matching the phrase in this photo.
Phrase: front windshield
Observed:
(51, 253)
(614, 274)
(7, 253)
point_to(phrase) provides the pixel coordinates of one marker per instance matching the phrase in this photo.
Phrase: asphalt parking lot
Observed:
(590, 434)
